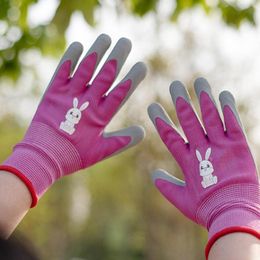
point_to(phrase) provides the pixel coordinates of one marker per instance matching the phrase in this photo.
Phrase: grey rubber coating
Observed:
(177, 89)
(227, 99)
(72, 53)
(100, 46)
(137, 134)
(136, 75)
(155, 110)
(120, 52)
(163, 175)
(200, 85)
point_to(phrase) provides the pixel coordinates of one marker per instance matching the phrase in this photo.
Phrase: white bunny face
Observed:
(73, 115)
(206, 168)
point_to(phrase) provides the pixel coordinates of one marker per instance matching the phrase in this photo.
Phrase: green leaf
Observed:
(142, 7)
(4, 7)
(23, 8)
(61, 20)
(88, 11)
(234, 16)
(182, 6)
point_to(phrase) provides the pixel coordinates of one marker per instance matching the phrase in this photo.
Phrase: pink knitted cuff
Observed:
(42, 161)
(232, 205)
(234, 208)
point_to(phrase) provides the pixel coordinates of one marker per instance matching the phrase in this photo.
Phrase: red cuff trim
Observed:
(26, 181)
(228, 231)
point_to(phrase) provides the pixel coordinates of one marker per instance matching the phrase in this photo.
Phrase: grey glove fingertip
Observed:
(177, 89)
(227, 99)
(136, 75)
(200, 85)
(155, 110)
(120, 52)
(100, 46)
(73, 54)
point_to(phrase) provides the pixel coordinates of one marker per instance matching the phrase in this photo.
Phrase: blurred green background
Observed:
(112, 211)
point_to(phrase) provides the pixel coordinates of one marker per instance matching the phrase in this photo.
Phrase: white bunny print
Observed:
(73, 117)
(206, 169)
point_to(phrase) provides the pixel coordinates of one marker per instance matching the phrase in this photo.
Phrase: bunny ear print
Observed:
(75, 102)
(198, 155)
(84, 106)
(208, 152)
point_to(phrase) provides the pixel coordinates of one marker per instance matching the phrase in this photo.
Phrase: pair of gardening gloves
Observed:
(221, 188)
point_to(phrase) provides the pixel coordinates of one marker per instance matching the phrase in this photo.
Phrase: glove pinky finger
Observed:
(168, 132)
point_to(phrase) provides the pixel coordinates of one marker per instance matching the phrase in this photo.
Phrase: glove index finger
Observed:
(73, 54)
(67, 63)
(155, 110)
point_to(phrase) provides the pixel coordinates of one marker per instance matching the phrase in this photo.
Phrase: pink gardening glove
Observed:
(221, 190)
(67, 132)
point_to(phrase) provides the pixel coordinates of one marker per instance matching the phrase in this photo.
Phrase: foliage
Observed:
(232, 14)
(18, 36)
